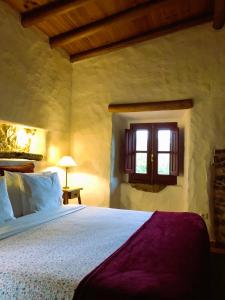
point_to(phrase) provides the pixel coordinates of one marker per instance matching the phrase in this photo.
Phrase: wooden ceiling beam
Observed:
(87, 30)
(151, 106)
(219, 14)
(50, 10)
(141, 38)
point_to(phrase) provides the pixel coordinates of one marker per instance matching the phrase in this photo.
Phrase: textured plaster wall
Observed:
(35, 82)
(186, 64)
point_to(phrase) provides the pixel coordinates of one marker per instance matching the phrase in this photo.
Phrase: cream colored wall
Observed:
(35, 89)
(186, 64)
(35, 82)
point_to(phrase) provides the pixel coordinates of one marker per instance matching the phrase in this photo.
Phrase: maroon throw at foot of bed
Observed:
(166, 258)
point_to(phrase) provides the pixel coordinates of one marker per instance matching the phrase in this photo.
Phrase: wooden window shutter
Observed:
(174, 158)
(129, 151)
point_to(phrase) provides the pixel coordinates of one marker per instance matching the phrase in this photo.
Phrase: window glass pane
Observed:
(164, 164)
(141, 163)
(141, 140)
(164, 140)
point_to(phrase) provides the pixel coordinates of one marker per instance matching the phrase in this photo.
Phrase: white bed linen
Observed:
(21, 224)
(48, 261)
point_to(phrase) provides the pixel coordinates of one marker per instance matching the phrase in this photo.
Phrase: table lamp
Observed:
(67, 162)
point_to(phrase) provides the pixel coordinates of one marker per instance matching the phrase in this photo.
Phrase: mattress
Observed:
(46, 255)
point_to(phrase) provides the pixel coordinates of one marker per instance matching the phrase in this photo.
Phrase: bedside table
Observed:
(71, 193)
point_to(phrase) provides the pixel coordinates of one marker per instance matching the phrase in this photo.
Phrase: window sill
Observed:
(152, 188)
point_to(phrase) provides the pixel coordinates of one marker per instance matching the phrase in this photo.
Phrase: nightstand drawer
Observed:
(73, 194)
(70, 194)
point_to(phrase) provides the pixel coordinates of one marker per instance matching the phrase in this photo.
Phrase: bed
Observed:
(76, 252)
(49, 260)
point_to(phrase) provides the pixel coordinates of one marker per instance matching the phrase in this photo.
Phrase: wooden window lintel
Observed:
(151, 106)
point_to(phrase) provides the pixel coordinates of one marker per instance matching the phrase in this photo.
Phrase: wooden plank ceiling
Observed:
(86, 28)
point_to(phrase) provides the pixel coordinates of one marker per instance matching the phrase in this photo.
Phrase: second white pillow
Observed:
(40, 192)
(6, 212)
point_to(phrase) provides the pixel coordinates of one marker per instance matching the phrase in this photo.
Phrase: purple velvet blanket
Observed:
(166, 258)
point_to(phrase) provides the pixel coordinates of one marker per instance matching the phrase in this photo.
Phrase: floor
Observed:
(218, 276)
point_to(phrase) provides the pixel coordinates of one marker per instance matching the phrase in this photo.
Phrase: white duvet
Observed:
(47, 261)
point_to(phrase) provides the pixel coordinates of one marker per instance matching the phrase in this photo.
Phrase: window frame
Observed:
(152, 176)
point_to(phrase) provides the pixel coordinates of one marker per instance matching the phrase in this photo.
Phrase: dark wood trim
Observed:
(141, 38)
(217, 248)
(50, 10)
(90, 29)
(151, 106)
(219, 14)
(21, 155)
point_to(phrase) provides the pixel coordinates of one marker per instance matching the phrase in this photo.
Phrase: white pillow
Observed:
(40, 192)
(6, 212)
(13, 183)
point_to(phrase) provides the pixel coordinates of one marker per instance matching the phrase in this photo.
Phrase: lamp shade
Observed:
(67, 161)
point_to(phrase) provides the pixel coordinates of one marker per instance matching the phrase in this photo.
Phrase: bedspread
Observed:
(166, 258)
(48, 261)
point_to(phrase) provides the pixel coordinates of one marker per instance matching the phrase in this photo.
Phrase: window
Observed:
(151, 153)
